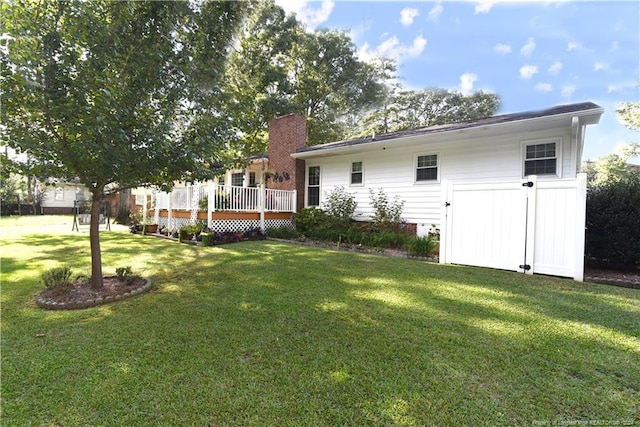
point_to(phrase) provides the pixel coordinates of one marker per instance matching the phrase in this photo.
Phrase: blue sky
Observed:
(533, 54)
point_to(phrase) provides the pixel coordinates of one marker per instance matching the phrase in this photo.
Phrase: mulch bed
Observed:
(80, 295)
(612, 277)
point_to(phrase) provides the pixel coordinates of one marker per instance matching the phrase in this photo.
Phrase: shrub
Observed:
(308, 219)
(283, 232)
(123, 272)
(341, 205)
(613, 225)
(56, 277)
(207, 239)
(203, 203)
(420, 246)
(387, 214)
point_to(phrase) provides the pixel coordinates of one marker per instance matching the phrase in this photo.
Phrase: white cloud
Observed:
(600, 66)
(622, 87)
(392, 48)
(407, 15)
(310, 16)
(502, 49)
(466, 83)
(567, 91)
(555, 68)
(573, 46)
(544, 87)
(528, 48)
(615, 45)
(435, 12)
(483, 6)
(527, 71)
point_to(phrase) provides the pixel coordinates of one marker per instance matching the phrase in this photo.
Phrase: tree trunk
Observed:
(94, 237)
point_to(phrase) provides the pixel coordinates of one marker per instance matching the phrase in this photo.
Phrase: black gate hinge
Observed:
(527, 184)
(525, 267)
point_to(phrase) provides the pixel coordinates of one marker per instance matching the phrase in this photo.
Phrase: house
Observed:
(504, 191)
(61, 196)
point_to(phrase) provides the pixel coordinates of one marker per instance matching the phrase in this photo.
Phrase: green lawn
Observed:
(267, 333)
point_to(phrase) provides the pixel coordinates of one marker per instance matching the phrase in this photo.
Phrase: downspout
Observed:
(576, 148)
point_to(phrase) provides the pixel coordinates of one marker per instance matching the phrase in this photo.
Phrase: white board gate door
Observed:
(526, 225)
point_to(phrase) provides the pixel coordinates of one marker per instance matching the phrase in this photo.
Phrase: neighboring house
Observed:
(59, 196)
(504, 191)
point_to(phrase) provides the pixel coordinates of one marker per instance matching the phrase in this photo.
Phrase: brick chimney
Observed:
(286, 135)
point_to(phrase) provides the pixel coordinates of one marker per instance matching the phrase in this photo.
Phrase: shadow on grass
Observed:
(255, 329)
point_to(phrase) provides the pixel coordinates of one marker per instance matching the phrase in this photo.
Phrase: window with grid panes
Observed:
(356, 173)
(540, 159)
(313, 186)
(427, 168)
(237, 179)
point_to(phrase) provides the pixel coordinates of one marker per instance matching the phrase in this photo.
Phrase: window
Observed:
(313, 186)
(356, 173)
(252, 179)
(540, 159)
(427, 168)
(221, 180)
(237, 179)
(58, 193)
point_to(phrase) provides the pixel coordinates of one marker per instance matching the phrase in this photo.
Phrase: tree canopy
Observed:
(112, 92)
(411, 109)
(277, 68)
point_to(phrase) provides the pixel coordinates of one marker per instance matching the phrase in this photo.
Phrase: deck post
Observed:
(261, 206)
(210, 205)
(294, 199)
(170, 211)
(156, 207)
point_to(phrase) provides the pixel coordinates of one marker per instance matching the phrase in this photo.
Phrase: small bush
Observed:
(283, 232)
(123, 273)
(206, 239)
(56, 277)
(420, 246)
(387, 214)
(341, 205)
(203, 203)
(308, 219)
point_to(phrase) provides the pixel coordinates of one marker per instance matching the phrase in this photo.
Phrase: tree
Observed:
(113, 93)
(412, 109)
(613, 202)
(278, 69)
(615, 167)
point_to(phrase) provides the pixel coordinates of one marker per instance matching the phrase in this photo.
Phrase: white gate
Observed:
(529, 226)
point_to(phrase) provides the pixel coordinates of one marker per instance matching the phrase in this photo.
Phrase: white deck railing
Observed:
(227, 198)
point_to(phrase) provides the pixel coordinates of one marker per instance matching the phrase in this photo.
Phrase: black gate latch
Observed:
(525, 267)
(527, 184)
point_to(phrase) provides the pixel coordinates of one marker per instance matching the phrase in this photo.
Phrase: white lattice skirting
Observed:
(224, 225)
(232, 225)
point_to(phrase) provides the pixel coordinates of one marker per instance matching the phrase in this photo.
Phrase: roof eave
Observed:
(587, 117)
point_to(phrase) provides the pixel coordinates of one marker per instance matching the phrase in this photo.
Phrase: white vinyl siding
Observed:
(482, 159)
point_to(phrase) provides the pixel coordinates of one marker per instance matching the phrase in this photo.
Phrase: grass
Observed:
(268, 333)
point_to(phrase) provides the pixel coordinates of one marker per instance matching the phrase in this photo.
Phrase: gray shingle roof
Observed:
(504, 118)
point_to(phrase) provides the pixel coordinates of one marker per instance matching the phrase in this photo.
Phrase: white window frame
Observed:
(357, 184)
(236, 174)
(306, 187)
(415, 168)
(553, 140)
